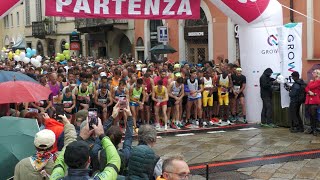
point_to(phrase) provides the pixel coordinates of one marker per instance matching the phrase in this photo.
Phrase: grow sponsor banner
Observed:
(290, 48)
(125, 9)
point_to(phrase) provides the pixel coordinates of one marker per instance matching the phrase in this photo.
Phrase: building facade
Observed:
(214, 35)
(107, 38)
(12, 28)
(46, 34)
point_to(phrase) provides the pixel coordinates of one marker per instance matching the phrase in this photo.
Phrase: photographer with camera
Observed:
(75, 156)
(297, 97)
(115, 135)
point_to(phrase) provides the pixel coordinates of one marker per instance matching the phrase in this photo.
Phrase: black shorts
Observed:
(240, 95)
(171, 102)
(231, 95)
(149, 102)
(215, 96)
(184, 100)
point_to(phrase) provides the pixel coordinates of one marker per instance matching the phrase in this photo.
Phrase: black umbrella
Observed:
(162, 49)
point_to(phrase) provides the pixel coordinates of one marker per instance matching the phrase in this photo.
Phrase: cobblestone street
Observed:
(219, 146)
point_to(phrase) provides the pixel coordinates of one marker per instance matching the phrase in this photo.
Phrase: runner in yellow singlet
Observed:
(160, 98)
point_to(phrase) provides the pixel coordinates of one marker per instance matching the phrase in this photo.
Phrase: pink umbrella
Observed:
(7, 6)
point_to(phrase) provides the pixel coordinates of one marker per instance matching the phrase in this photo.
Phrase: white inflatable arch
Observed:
(252, 16)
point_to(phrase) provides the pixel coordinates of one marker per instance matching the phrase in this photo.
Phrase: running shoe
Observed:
(245, 121)
(180, 125)
(187, 124)
(158, 126)
(229, 123)
(197, 123)
(173, 125)
(211, 123)
(204, 124)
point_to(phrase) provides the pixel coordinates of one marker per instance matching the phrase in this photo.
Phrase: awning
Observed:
(20, 44)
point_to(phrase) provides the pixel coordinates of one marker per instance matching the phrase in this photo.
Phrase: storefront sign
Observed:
(75, 46)
(195, 33)
(125, 9)
(74, 38)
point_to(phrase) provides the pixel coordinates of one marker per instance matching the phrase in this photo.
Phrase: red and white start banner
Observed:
(125, 9)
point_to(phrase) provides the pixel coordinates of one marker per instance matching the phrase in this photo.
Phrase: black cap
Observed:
(76, 154)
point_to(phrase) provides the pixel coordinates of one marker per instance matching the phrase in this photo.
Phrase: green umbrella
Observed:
(162, 49)
(16, 142)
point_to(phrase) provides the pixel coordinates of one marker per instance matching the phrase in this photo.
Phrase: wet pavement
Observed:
(220, 146)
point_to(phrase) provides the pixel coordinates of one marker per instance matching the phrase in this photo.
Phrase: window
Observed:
(63, 42)
(29, 44)
(18, 19)
(11, 16)
(198, 22)
(28, 19)
(6, 21)
(38, 10)
(139, 42)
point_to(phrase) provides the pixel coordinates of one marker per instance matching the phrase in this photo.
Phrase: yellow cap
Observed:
(177, 66)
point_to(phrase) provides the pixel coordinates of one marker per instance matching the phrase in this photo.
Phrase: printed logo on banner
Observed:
(291, 67)
(273, 40)
(249, 10)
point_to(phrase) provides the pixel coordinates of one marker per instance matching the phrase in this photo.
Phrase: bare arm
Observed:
(181, 92)
(166, 98)
(154, 95)
(170, 91)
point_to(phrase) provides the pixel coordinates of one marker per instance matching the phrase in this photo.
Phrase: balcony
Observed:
(41, 29)
(85, 25)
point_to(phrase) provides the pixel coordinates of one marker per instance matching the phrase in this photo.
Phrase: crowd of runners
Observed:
(164, 94)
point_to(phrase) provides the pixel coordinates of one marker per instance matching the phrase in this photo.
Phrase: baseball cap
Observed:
(177, 66)
(44, 139)
(103, 74)
(178, 74)
(238, 69)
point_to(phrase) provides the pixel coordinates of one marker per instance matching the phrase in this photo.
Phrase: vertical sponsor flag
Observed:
(290, 48)
(7, 6)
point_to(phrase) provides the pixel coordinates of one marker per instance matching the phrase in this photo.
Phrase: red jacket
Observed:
(313, 86)
(57, 128)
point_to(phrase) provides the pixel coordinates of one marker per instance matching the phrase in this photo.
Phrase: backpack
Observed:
(302, 92)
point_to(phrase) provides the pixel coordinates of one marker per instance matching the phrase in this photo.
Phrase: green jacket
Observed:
(109, 173)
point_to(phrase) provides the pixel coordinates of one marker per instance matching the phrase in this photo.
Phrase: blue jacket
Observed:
(295, 91)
